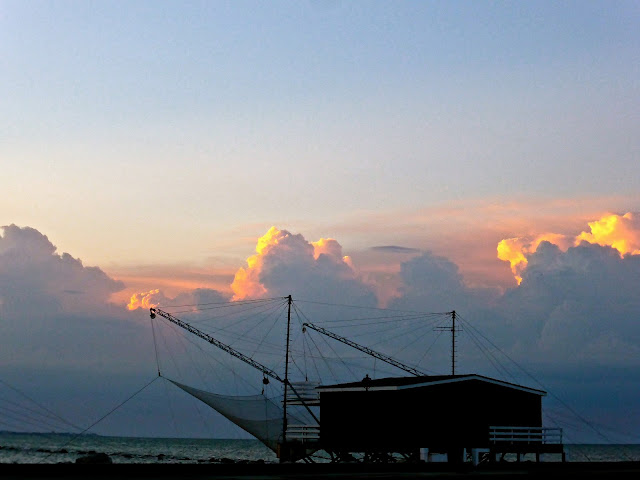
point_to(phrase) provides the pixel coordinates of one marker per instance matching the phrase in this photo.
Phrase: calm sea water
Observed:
(56, 448)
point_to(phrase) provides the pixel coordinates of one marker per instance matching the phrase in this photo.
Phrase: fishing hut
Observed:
(374, 419)
(422, 415)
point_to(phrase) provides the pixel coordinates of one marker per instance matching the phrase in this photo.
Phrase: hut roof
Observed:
(402, 383)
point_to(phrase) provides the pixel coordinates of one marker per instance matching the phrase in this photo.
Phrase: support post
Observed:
(284, 456)
(453, 342)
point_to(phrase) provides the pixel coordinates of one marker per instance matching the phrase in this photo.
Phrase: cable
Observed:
(40, 406)
(103, 417)
(227, 304)
(155, 345)
(580, 417)
(370, 308)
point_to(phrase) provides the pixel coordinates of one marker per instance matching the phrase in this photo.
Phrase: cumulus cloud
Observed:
(515, 250)
(145, 300)
(34, 276)
(66, 344)
(576, 304)
(573, 302)
(156, 298)
(622, 232)
(577, 297)
(581, 304)
(576, 300)
(430, 283)
(56, 312)
(287, 263)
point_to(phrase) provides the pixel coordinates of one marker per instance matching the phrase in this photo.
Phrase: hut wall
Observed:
(437, 416)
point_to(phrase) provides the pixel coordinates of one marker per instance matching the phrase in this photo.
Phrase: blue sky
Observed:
(210, 116)
(157, 141)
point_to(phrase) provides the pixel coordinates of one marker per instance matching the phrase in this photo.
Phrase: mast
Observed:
(453, 331)
(286, 381)
(453, 342)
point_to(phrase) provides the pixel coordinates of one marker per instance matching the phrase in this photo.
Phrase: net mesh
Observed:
(255, 414)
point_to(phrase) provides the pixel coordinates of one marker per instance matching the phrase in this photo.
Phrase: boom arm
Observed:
(366, 350)
(265, 370)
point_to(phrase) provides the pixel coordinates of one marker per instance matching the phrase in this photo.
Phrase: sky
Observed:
(426, 156)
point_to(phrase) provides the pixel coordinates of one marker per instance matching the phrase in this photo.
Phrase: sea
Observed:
(43, 448)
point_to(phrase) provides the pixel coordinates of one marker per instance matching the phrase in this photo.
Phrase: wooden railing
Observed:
(303, 433)
(521, 435)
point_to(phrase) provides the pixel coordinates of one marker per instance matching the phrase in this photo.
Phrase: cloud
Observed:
(574, 303)
(515, 250)
(171, 279)
(577, 298)
(394, 249)
(559, 283)
(57, 315)
(68, 346)
(145, 300)
(287, 263)
(34, 277)
(622, 232)
(192, 298)
(579, 305)
(575, 308)
(431, 283)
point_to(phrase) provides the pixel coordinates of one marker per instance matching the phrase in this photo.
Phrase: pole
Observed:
(453, 342)
(283, 454)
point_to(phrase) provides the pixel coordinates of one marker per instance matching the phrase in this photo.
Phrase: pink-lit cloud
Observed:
(286, 263)
(621, 232)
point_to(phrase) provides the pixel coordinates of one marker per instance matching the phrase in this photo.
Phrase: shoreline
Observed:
(623, 469)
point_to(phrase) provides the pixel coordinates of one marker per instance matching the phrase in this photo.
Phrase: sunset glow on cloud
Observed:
(246, 282)
(280, 247)
(621, 232)
(331, 248)
(326, 246)
(515, 250)
(143, 300)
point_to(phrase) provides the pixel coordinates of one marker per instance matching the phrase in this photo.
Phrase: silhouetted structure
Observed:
(444, 414)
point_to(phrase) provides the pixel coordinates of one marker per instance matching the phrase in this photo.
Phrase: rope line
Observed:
(24, 395)
(102, 418)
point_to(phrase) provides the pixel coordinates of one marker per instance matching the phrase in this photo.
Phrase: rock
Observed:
(95, 458)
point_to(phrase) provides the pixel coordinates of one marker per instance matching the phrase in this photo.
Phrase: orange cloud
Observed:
(513, 250)
(326, 246)
(331, 248)
(516, 250)
(619, 232)
(143, 300)
(288, 248)
(246, 282)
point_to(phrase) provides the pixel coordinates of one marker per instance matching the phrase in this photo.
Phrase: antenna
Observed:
(453, 329)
